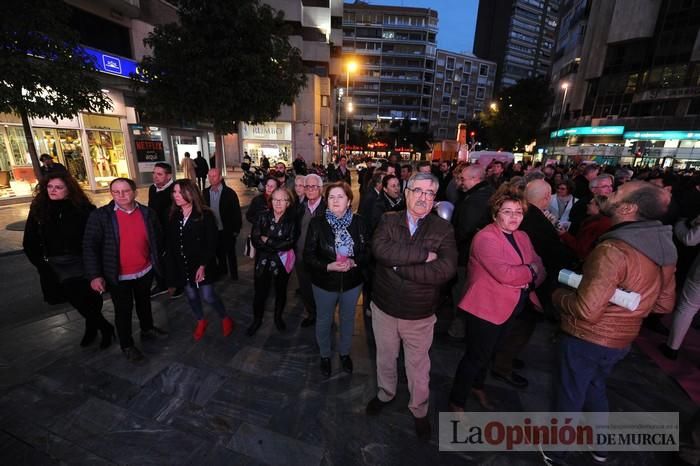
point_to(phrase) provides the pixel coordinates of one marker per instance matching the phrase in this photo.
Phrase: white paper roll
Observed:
(627, 299)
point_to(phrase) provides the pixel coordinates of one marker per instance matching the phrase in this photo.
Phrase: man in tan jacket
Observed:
(637, 254)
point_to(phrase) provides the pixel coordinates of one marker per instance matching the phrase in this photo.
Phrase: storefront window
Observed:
(65, 147)
(19, 151)
(107, 156)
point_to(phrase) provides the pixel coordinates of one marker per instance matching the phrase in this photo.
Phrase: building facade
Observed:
(394, 48)
(518, 35)
(638, 69)
(463, 88)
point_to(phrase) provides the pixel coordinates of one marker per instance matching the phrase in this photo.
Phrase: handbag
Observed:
(66, 267)
(249, 249)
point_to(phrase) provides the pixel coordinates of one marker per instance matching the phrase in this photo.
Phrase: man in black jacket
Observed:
(471, 214)
(160, 199)
(121, 251)
(223, 201)
(388, 200)
(201, 167)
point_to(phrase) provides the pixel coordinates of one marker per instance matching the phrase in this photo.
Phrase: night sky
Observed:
(456, 20)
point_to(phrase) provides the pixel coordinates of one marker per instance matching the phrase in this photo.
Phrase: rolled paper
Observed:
(627, 299)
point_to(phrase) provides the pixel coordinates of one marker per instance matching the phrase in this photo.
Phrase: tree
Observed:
(225, 61)
(45, 73)
(518, 112)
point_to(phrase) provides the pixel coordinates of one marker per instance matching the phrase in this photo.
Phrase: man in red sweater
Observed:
(121, 254)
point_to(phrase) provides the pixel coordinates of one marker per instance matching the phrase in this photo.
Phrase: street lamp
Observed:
(350, 67)
(494, 107)
(564, 86)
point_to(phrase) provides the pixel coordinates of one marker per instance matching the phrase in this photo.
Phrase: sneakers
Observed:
(346, 363)
(153, 333)
(200, 329)
(423, 430)
(133, 354)
(375, 406)
(227, 325)
(157, 291)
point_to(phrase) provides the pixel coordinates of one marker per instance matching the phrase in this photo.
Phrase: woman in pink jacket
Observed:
(502, 273)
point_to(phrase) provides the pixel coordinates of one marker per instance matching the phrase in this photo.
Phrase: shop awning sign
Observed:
(117, 66)
(588, 131)
(662, 135)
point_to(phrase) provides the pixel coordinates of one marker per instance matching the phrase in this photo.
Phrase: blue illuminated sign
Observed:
(117, 66)
(588, 131)
(662, 135)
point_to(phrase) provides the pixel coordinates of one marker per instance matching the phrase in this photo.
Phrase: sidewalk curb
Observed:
(12, 253)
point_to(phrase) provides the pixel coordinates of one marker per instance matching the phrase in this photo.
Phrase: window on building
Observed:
(483, 70)
(325, 101)
(465, 91)
(480, 93)
(448, 88)
(450, 63)
(441, 62)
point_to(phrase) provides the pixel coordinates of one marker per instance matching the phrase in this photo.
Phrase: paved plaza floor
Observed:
(249, 401)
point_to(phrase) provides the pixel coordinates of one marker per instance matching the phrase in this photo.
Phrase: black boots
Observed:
(107, 331)
(90, 334)
(279, 323)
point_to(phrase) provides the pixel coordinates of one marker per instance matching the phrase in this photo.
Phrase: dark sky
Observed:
(456, 20)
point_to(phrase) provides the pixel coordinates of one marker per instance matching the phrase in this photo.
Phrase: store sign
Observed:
(588, 131)
(110, 64)
(662, 135)
(149, 151)
(267, 131)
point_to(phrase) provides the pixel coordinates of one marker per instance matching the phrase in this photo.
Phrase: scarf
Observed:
(343, 241)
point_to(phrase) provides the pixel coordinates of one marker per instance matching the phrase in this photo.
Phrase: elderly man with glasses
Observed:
(416, 254)
(312, 206)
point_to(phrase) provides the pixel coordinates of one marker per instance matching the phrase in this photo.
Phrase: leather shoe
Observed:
(253, 328)
(423, 429)
(668, 352)
(153, 333)
(346, 363)
(513, 379)
(133, 354)
(308, 322)
(326, 367)
(375, 406)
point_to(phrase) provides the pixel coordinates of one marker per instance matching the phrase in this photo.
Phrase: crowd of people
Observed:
(495, 254)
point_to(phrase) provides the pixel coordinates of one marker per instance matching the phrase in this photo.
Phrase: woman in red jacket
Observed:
(502, 273)
(591, 229)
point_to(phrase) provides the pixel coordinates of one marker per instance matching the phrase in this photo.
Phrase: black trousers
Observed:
(124, 294)
(515, 340)
(226, 259)
(201, 182)
(307, 294)
(86, 301)
(262, 285)
(482, 338)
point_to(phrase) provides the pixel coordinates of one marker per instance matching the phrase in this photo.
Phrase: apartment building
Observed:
(463, 88)
(518, 35)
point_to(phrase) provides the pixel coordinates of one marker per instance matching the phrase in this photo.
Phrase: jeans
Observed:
(583, 369)
(209, 294)
(124, 294)
(325, 308)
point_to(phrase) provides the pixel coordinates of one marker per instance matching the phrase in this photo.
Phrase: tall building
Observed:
(463, 88)
(394, 48)
(635, 95)
(518, 35)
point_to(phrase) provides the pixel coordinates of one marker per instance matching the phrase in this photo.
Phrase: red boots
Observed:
(227, 326)
(200, 329)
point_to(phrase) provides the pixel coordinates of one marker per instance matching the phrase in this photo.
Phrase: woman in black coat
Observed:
(336, 253)
(191, 242)
(53, 243)
(261, 202)
(274, 235)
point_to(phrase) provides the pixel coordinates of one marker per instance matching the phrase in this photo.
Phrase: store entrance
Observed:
(182, 143)
(64, 146)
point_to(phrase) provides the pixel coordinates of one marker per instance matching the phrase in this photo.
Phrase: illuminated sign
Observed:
(662, 135)
(116, 66)
(588, 131)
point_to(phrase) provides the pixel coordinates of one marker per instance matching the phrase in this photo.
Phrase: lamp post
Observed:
(350, 67)
(338, 104)
(564, 86)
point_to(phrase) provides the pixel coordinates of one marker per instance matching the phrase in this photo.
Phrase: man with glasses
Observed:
(121, 251)
(416, 254)
(602, 185)
(312, 206)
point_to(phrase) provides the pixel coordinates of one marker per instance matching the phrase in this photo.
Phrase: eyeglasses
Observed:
(429, 195)
(280, 200)
(512, 213)
(312, 186)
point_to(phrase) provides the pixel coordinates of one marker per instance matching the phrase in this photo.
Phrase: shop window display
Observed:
(107, 156)
(65, 147)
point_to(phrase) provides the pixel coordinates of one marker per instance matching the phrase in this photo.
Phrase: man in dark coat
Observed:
(471, 214)
(121, 251)
(223, 201)
(160, 199)
(201, 167)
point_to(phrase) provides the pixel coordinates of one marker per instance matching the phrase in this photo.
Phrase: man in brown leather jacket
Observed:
(637, 254)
